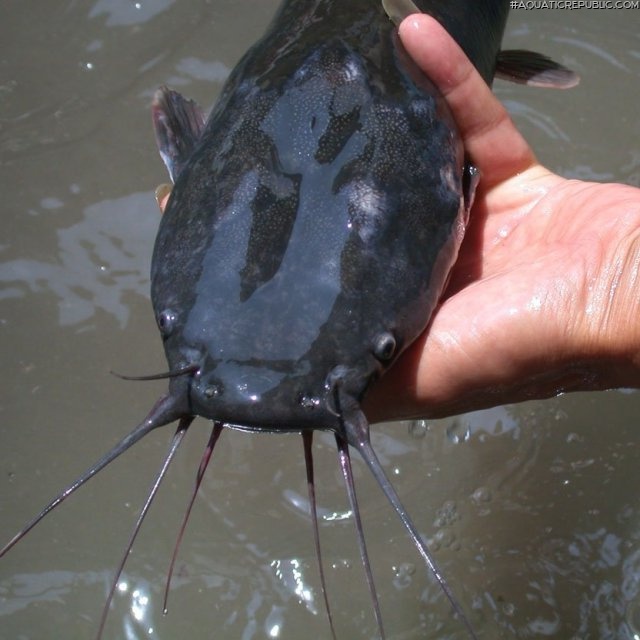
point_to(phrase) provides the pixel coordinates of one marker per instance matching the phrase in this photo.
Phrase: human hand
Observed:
(543, 297)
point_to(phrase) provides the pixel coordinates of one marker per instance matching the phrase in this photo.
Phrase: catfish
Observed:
(308, 237)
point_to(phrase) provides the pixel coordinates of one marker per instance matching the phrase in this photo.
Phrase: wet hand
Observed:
(544, 295)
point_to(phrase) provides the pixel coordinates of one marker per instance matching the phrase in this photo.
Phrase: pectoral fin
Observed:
(534, 69)
(178, 123)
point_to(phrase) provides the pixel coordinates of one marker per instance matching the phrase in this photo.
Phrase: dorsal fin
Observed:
(178, 123)
(398, 10)
(534, 69)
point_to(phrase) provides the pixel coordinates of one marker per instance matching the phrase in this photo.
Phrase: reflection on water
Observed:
(531, 510)
(22, 590)
(121, 13)
(28, 590)
(191, 68)
(100, 260)
(140, 623)
(291, 575)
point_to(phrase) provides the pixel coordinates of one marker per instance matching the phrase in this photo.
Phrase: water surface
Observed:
(532, 510)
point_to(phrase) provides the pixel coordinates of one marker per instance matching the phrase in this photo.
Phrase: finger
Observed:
(162, 194)
(488, 133)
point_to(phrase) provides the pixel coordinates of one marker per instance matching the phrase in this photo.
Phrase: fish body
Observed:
(309, 235)
(310, 232)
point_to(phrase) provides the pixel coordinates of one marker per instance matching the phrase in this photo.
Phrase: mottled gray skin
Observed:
(317, 218)
(308, 238)
(309, 235)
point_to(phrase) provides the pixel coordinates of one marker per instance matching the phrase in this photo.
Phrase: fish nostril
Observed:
(211, 390)
(308, 401)
(167, 320)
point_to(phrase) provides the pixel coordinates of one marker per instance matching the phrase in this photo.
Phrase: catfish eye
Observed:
(384, 347)
(166, 322)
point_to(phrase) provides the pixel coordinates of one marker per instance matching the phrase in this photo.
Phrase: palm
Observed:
(543, 296)
(523, 314)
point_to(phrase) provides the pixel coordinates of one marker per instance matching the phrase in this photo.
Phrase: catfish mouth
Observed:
(258, 396)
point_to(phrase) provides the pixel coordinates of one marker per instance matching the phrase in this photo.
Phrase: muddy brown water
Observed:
(533, 510)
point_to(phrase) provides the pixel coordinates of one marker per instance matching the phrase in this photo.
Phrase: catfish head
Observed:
(314, 219)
